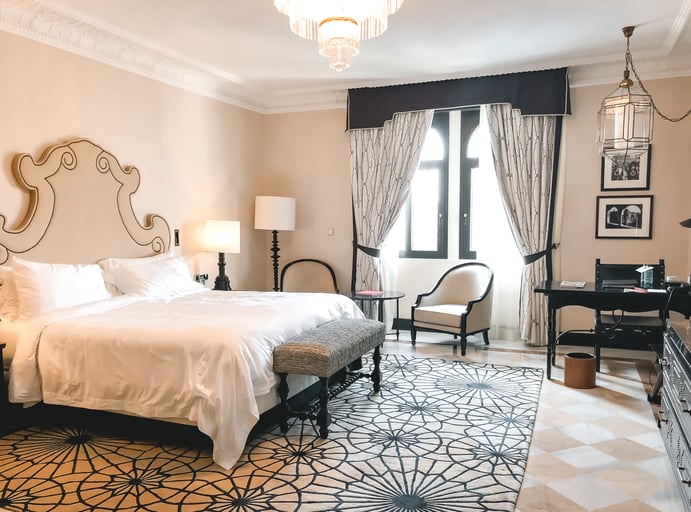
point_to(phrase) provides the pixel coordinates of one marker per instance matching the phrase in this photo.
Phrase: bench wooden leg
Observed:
(323, 417)
(283, 394)
(464, 344)
(376, 373)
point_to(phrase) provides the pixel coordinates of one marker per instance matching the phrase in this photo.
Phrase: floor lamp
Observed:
(222, 236)
(275, 214)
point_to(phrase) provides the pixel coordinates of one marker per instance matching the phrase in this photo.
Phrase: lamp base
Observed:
(222, 281)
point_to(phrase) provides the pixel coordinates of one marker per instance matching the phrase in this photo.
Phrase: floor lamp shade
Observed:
(222, 236)
(276, 214)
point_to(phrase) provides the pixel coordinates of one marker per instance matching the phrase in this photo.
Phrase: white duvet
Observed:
(204, 356)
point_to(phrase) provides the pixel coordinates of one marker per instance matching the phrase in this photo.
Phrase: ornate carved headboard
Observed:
(79, 209)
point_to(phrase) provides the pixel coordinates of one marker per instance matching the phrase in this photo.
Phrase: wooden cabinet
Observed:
(675, 406)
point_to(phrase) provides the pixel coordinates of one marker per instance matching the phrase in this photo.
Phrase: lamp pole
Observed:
(275, 256)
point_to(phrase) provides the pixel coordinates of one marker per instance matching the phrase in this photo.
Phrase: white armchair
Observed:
(460, 303)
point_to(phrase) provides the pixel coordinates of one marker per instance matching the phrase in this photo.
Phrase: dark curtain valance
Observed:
(532, 92)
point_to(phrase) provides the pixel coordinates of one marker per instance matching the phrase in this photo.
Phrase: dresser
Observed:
(675, 406)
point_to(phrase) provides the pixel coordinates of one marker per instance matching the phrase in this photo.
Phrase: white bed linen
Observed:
(203, 356)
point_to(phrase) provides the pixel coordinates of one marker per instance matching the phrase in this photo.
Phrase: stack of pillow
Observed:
(29, 289)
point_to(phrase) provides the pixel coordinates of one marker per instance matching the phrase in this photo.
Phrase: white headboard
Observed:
(79, 209)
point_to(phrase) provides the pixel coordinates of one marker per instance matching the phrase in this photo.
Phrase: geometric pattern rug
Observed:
(440, 436)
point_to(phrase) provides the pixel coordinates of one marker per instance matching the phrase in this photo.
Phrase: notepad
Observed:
(572, 284)
(371, 293)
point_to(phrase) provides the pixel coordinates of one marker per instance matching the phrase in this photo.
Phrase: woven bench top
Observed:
(324, 350)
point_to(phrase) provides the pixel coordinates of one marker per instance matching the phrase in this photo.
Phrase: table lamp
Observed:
(222, 236)
(275, 214)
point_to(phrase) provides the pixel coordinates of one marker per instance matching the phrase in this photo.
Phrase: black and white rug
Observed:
(441, 436)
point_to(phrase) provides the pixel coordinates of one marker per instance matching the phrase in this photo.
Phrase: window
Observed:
(437, 219)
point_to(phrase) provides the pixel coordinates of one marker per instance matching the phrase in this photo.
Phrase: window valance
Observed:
(533, 93)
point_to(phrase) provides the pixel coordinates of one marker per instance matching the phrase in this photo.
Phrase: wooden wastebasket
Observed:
(579, 370)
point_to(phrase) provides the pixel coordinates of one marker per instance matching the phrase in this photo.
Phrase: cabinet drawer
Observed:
(677, 449)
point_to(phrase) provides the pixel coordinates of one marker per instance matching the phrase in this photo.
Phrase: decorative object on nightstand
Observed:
(276, 214)
(222, 236)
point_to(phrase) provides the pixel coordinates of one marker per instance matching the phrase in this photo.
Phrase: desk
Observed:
(379, 299)
(594, 297)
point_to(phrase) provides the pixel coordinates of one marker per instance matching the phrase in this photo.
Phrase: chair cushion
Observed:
(441, 314)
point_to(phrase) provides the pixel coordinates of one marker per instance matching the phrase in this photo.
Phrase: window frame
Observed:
(469, 122)
(440, 122)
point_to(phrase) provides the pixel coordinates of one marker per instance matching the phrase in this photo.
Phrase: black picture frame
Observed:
(624, 217)
(634, 176)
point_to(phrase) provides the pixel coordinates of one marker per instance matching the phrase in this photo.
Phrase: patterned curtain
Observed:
(382, 164)
(524, 157)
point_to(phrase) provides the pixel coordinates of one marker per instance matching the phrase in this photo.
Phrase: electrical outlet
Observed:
(176, 236)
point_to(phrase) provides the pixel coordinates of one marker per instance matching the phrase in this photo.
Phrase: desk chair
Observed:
(617, 324)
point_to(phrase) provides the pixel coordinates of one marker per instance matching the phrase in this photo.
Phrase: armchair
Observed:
(460, 303)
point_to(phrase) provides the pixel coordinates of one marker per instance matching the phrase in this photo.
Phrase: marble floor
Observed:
(593, 449)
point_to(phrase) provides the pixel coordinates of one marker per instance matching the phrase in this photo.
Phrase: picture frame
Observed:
(634, 176)
(624, 217)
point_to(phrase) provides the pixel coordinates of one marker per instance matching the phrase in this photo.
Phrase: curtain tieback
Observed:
(532, 258)
(370, 251)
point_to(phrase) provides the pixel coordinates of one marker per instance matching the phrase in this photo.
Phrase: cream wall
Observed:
(311, 147)
(307, 158)
(670, 185)
(198, 158)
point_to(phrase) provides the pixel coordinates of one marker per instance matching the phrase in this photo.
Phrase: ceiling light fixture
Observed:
(338, 25)
(626, 116)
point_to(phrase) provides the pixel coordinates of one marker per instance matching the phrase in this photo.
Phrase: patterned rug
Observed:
(440, 436)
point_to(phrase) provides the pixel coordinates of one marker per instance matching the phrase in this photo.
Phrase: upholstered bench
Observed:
(322, 352)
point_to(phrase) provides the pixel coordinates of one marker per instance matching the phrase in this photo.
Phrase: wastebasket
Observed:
(579, 370)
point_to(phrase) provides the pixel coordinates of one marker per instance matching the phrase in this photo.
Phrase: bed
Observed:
(98, 312)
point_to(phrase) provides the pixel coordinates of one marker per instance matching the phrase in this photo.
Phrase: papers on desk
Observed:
(644, 290)
(572, 284)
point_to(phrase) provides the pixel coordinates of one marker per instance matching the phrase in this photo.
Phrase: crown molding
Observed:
(45, 22)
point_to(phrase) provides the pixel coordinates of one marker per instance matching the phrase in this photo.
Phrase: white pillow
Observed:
(159, 278)
(113, 267)
(9, 303)
(45, 287)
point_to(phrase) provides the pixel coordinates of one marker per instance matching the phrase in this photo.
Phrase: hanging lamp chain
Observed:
(629, 64)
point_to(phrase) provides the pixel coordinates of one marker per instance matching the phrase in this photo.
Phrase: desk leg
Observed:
(551, 338)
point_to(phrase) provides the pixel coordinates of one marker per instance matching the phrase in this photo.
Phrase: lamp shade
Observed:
(274, 213)
(222, 236)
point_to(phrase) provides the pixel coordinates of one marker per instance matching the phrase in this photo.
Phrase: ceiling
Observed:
(243, 52)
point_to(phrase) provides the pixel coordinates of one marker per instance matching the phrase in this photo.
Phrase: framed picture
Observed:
(632, 176)
(624, 217)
